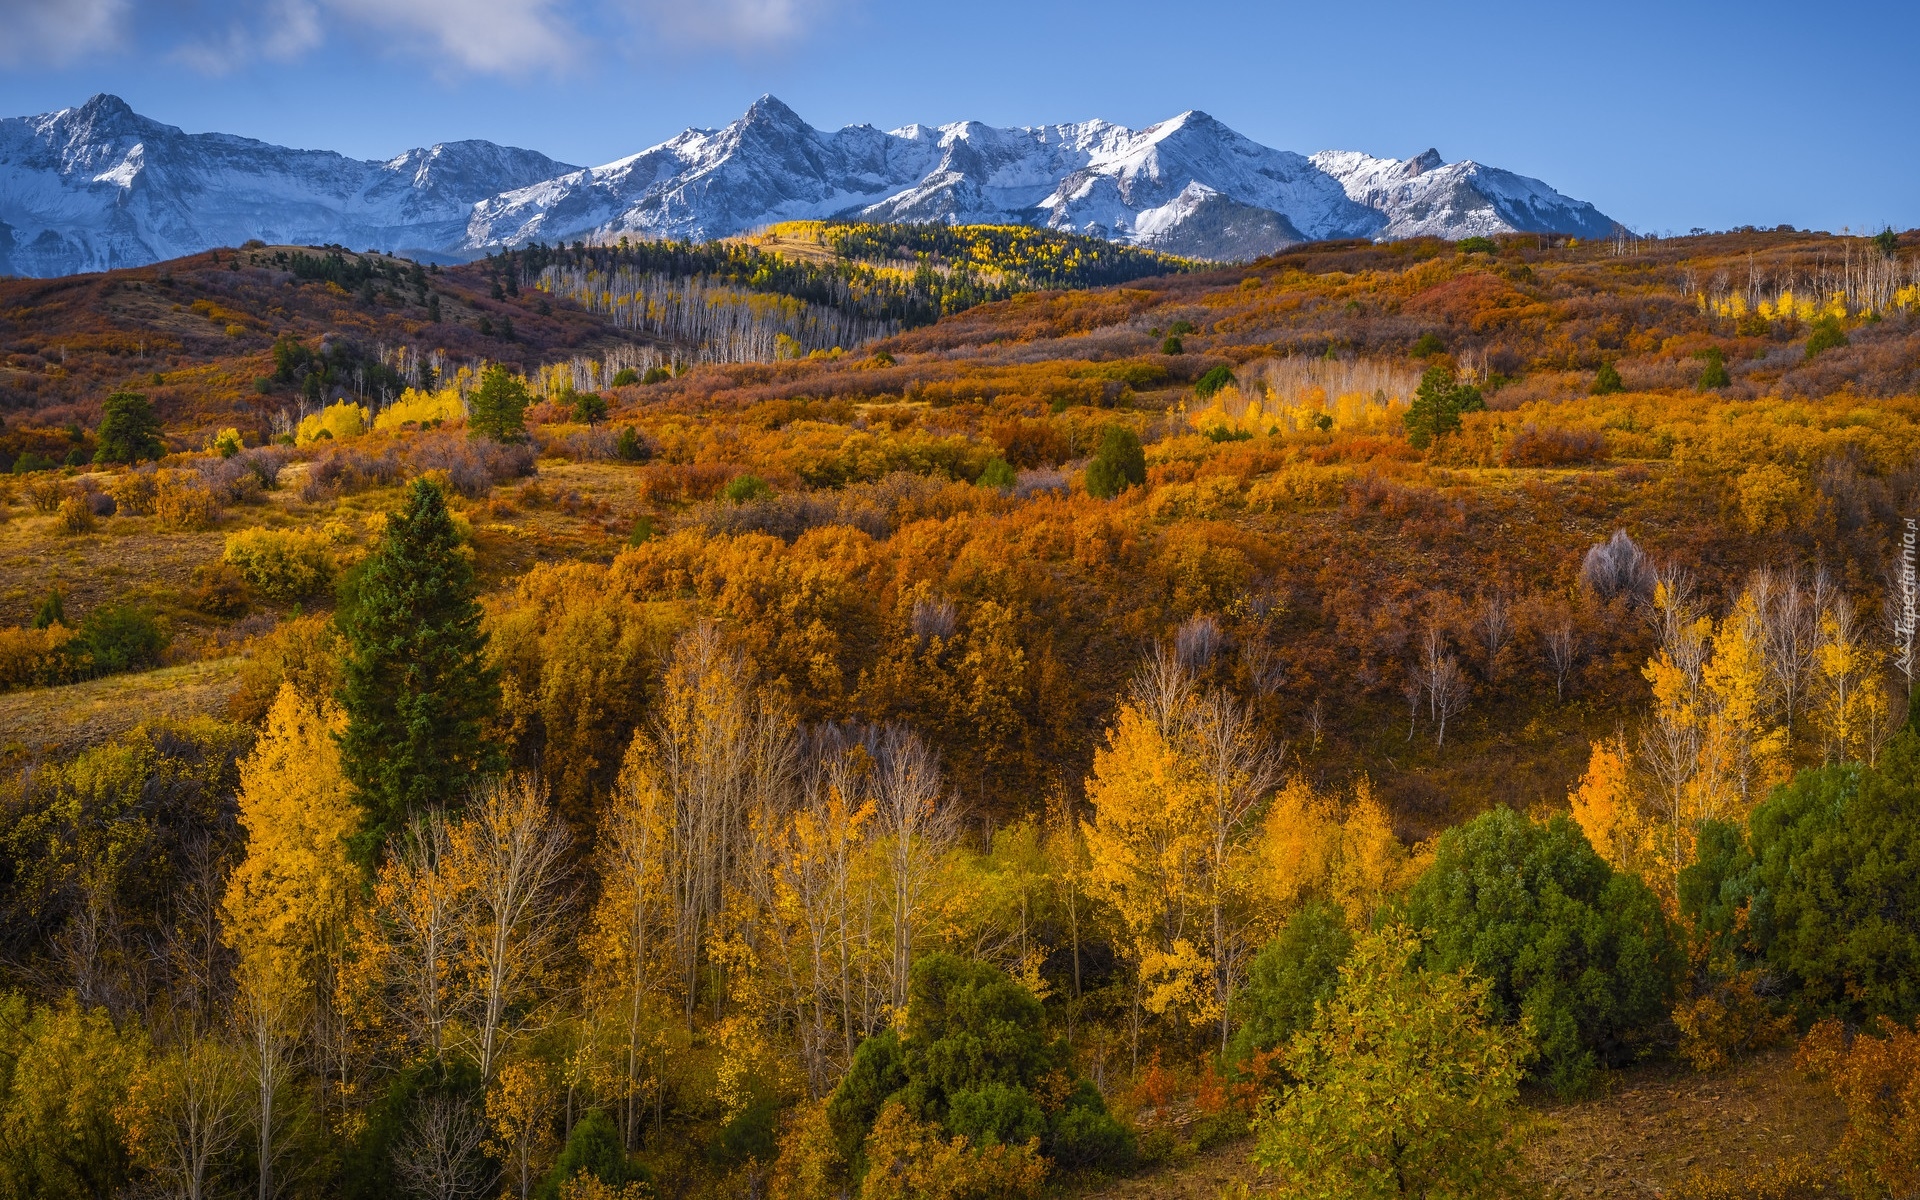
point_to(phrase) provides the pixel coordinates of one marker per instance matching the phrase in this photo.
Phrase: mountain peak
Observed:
(770, 109)
(1189, 182)
(105, 104)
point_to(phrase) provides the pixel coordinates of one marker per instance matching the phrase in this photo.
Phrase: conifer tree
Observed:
(416, 682)
(129, 430)
(498, 406)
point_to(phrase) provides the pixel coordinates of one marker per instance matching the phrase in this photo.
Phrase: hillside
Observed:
(1165, 681)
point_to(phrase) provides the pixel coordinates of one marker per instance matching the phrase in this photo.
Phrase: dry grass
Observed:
(1654, 1127)
(58, 721)
(124, 559)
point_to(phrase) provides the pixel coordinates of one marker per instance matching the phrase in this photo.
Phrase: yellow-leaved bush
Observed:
(341, 419)
(284, 564)
(418, 407)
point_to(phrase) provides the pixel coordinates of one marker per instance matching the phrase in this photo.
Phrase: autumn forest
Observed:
(945, 712)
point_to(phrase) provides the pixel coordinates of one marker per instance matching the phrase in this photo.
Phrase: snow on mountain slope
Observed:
(1189, 185)
(1426, 195)
(100, 186)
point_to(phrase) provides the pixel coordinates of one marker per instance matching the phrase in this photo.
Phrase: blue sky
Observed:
(1666, 115)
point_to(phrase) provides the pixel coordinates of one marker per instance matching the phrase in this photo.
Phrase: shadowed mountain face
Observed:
(100, 186)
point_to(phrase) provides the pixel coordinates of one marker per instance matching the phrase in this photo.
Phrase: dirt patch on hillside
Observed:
(1651, 1128)
(58, 721)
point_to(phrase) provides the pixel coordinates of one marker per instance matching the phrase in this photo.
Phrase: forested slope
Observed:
(1021, 748)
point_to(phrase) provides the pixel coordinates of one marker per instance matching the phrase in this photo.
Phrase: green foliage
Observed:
(1581, 951)
(1213, 381)
(589, 408)
(1828, 334)
(1437, 405)
(52, 610)
(1223, 433)
(1407, 1087)
(879, 1070)
(497, 408)
(129, 430)
(1292, 973)
(1712, 886)
(1172, 345)
(972, 1061)
(642, 530)
(1181, 326)
(595, 1147)
(1119, 464)
(1888, 241)
(656, 375)
(625, 377)
(751, 1133)
(743, 488)
(417, 686)
(64, 1074)
(629, 447)
(1427, 345)
(1835, 885)
(1085, 1136)
(1607, 381)
(366, 1166)
(1714, 374)
(1478, 245)
(999, 473)
(116, 638)
(32, 461)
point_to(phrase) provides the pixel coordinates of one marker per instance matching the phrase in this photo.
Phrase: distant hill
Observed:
(100, 186)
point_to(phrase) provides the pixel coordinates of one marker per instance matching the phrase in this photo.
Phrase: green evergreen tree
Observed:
(52, 611)
(1437, 405)
(999, 474)
(498, 407)
(1119, 464)
(589, 408)
(416, 683)
(1714, 374)
(1607, 381)
(129, 430)
(1828, 334)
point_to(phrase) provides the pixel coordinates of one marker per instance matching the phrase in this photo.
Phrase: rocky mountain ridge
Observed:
(100, 186)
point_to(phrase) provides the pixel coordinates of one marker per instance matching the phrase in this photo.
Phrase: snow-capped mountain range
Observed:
(100, 186)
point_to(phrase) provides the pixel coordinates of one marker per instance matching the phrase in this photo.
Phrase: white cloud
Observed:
(55, 32)
(737, 23)
(282, 32)
(496, 36)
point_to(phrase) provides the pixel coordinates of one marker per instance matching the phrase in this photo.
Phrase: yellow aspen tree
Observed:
(286, 904)
(1675, 730)
(1147, 853)
(185, 1111)
(1371, 862)
(403, 975)
(1741, 751)
(520, 1109)
(1295, 852)
(814, 916)
(1236, 771)
(1849, 695)
(506, 857)
(628, 936)
(1603, 806)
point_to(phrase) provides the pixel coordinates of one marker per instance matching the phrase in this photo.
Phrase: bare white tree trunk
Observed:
(508, 854)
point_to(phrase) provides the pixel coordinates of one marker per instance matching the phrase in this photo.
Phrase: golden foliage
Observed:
(911, 1160)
